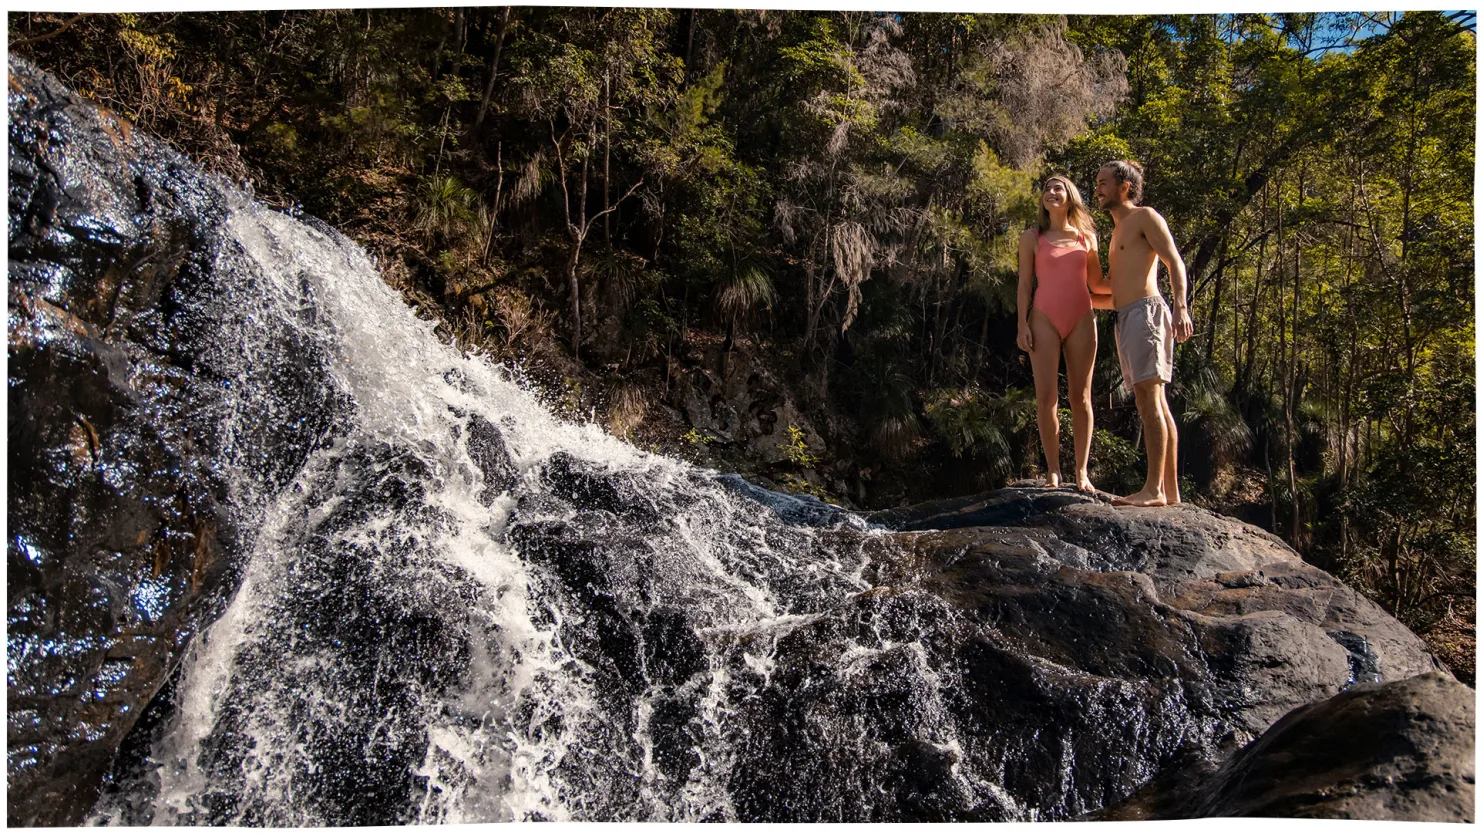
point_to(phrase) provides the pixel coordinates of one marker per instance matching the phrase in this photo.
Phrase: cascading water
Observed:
(463, 608)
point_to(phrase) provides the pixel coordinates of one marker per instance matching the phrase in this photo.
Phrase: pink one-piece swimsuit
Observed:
(1063, 285)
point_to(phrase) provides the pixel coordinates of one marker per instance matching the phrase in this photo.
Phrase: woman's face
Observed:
(1055, 195)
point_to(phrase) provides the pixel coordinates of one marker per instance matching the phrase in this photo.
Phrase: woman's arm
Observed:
(1027, 245)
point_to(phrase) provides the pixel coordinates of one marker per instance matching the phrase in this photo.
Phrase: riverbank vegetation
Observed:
(613, 195)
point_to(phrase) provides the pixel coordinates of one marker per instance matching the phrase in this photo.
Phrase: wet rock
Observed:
(1059, 662)
(121, 461)
(1282, 632)
(732, 397)
(1397, 751)
(589, 487)
(372, 631)
(486, 446)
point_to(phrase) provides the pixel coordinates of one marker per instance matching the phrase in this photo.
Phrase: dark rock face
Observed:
(1069, 656)
(1275, 633)
(1398, 751)
(1041, 668)
(120, 461)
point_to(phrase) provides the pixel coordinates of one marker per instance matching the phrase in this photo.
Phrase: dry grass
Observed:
(525, 322)
(1453, 640)
(629, 409)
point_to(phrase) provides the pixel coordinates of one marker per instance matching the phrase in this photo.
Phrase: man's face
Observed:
(1108, 192)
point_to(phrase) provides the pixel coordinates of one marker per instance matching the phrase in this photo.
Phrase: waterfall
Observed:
(462, 608)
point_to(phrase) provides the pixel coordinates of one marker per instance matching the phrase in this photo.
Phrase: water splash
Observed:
(462, 608)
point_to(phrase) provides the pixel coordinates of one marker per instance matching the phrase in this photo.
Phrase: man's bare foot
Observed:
(1052, 480)
(1141, 498)
(1081, 482)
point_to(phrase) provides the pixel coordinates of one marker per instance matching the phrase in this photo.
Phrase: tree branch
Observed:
(613, 207)
(49, 35)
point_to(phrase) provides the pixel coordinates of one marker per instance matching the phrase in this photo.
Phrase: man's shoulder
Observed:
(1144, 214)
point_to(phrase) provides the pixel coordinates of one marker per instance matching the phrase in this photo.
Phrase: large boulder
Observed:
(1396, 751)
(1025, 654)
(1274, 631)
(1037, 653)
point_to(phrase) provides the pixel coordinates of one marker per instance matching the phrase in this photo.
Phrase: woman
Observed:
(1063, 254)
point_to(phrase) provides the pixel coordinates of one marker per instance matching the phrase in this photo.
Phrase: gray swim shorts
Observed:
(1143, 338)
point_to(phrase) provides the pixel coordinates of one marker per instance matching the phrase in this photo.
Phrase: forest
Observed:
(603, 197)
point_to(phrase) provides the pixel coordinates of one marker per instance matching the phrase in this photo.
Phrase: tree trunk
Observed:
(1284, 341)
(446, 114)
(498, 47)
(574, 282)
(498, 195)
(1292, 385)
(606, 166)
(461, 26)
(578, 233)
(688, 52)
(1217, 302)
(1243, 375)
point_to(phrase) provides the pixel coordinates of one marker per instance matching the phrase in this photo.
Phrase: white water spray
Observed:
(518, 729)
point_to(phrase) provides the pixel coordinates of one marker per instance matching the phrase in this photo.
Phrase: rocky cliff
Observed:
(128, 440)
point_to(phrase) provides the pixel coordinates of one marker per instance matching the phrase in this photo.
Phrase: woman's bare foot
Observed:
(1081, 482)
(1141, 498)
(1052, 480)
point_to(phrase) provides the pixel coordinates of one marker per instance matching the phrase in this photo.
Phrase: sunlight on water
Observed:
(385, 563)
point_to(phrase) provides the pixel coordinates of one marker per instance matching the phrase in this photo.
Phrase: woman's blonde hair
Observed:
(1079, 216)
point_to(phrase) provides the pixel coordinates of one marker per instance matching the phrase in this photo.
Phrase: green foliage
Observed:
(990, 430)
(747, 291)
(445, 207)
(795, 450)
(1116, 465)
(801, 486)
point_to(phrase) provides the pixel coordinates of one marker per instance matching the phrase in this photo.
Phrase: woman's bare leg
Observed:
(1079, 356)
(1045, 359)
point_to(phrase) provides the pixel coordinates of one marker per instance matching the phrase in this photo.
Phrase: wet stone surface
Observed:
(120, 545)
(1052, 665)
(1395, 751)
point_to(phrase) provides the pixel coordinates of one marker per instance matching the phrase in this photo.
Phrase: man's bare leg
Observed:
(1169, 471)
(1150, 401)
(1079, 357)
(1045, 360)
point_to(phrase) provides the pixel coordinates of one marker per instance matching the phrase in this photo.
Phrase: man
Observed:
(1144, 326)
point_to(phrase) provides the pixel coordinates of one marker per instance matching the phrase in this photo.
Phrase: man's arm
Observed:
(1096, 276)
(1159, 237)
(1099, 288)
